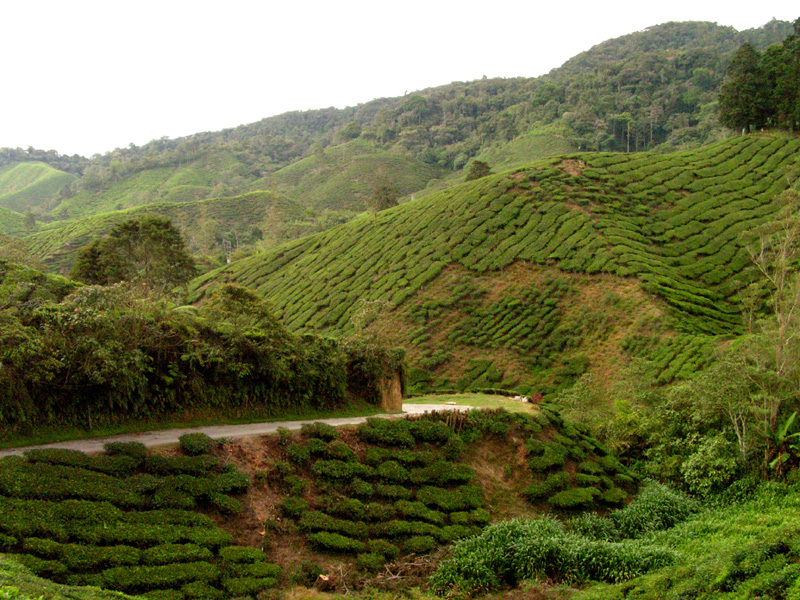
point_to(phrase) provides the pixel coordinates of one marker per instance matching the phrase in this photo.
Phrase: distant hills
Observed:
(651, 90)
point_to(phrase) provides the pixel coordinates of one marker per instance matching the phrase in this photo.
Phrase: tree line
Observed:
(762, 89)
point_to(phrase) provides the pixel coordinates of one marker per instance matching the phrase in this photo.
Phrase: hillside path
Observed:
(170, 436)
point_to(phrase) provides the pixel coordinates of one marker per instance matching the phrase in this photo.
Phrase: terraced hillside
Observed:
(193, 175)
(491, 270)
(11, 222)
(240, 219)
(31, 185)
(344, 176)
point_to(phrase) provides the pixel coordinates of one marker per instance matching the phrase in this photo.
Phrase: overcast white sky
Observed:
(87, 77)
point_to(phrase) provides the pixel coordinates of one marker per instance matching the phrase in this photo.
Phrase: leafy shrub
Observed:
(43, 548)
(340, 470)
(293, 507)
(386, 432)
(341, 451)
(420, 544)
(392, 471)
(614, 496)
(225, 504)
(454, 447)
(294, 484)
(259, 569)
(423, 430)
(442, 472)
(174, 553)
(384, 548)
(232, 482)
(711, 467)
(375, 511)
(319, 430)
(591, 467)
(347, 507)
(361, 488)
(241, 555)
(393, 528)
(171, 497)
(142, 578)
(393, 491)
(317, 447)
(370, 561)
(195, 444)
(199, 590)
(335, 542)
(299, 454)
(418, 510)
(246, 586)
(584, 479)
(552, 483)
(118, 466)
(163, 595)
(554, 456)
(57, 456)
(657, 507)
(573, 498)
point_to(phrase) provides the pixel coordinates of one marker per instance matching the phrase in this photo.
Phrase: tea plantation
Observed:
(401, 487)
(130, 520)
(204, 221)
(673, 224)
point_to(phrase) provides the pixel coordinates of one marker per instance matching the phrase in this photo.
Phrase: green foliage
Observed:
(78, 519)
(517, 550)
(103, 355)
(319, 430)
(711, 468)
(148, 251)
(194, 444)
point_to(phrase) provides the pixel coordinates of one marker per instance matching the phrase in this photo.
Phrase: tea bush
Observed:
(195, 444)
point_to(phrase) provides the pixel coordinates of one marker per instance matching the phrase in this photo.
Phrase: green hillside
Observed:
(242, 220)
(493, 282)
(344, 176)
(525, 149)
(653, 89)
(11, 222)
(192, 175)
(31, 185)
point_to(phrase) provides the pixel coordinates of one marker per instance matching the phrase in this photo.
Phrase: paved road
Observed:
(170, 436)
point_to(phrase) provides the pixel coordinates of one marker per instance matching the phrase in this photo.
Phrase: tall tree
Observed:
(147, 251)
(478, 169)
(384, 195)
(743, 97)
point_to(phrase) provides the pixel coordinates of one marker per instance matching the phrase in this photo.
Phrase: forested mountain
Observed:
(651, 90)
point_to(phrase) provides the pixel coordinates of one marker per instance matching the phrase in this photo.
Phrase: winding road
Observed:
(170, 436)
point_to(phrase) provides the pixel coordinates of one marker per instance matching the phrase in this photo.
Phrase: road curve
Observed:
(170, 436)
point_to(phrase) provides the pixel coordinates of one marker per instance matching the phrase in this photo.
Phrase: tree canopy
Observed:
(148, 251)
(763, 90)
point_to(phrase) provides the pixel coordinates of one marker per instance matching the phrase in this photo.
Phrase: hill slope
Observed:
(491, 268)
(205, 223)
(650, 89)
(31, 185)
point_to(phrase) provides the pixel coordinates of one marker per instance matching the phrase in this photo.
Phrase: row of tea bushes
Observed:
(401, 488)
(128, 520)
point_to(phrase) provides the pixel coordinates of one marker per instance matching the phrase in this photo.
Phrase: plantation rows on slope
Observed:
(31, 185)
(672, 222)
(204, 223)
(129, 521)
